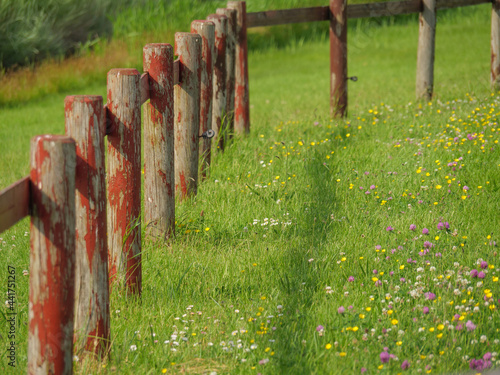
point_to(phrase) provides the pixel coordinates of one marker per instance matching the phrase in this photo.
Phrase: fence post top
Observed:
(226, 11)
(219, 16)
(185, 35)
(203, 23)
(83, 98)
(52, 138)
(125, 72)
(164, 46)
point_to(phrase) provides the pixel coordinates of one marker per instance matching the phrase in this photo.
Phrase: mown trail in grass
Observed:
(321, 246)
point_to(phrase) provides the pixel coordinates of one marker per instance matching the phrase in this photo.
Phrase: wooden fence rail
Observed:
(85, 214)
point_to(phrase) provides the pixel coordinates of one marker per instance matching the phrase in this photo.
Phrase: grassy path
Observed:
(319, 246)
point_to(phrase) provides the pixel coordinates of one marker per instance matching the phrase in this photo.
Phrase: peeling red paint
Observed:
(53, 160)
(124, 175)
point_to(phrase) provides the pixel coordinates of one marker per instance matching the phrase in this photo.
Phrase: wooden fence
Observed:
(85, 208)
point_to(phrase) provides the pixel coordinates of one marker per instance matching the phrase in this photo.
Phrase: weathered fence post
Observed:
(85, 123)
(241, 101)
(425, 54)
(495, 45)
(219, 76)
(159, 178)
(228, 126)
(338, 58)
(52, 255)
(206, 29)
(124, 177)
(187, 113)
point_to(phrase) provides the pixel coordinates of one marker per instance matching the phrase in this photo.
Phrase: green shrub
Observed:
(33, 30)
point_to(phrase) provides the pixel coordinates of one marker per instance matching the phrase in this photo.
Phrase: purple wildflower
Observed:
(425, 231)
(405, 365)
(413, 227)
(341, 310)
(430, 296)
(425, 310)
(481, 275)
(320, 328)
(384, 357)
(389, 229)
(470, 326)
(372, 187)
(350, 279)
(484, 264)
(473, 273)
(440, 226)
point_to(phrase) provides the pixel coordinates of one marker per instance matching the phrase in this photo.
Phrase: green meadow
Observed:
(360, 245)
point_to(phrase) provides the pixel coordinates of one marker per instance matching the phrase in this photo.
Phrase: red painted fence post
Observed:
(206, 30)
(241, 101)
(159, 177)
(495, 45)
(85, 123)
(124, 177)
(228, 126)
(52, 255)
(187, 113)
(338, 58)
(219, 77)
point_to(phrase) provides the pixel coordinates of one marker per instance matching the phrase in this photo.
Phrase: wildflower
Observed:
(425, 310)
(405, 365)
(413, 227)
(341, 310)
(481, 275)
(389, 229)
(328, 346)
(350, 279)
(430, 296)
(425, 231)
(470, 325)
(473, 273)
(263, 361)
(484, 264)
(133, 348)
(320, 328)
(384, 357)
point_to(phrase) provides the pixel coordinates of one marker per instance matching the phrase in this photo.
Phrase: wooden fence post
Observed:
(159, 178)
(228, 127)
(241, 101)
(52, 255)
(425, 54)
(124, 177)
(338, 58)
(85, 123)
(219, 77)
(206, 29)
(187, 113)
(495, 45)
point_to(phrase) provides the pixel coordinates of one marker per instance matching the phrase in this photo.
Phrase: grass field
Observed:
(364, 245)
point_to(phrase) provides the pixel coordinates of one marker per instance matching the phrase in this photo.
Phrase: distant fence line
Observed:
(85, 208)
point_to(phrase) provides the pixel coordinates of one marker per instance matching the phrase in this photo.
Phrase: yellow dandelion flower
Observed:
(328, 346)
(394, 322)
(342, 354)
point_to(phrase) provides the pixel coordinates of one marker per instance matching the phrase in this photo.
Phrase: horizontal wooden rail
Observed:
(284, 16)
(14, 203)
(390, 8)
(448, 4)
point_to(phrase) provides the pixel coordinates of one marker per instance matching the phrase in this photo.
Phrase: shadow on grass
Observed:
(300, 278)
